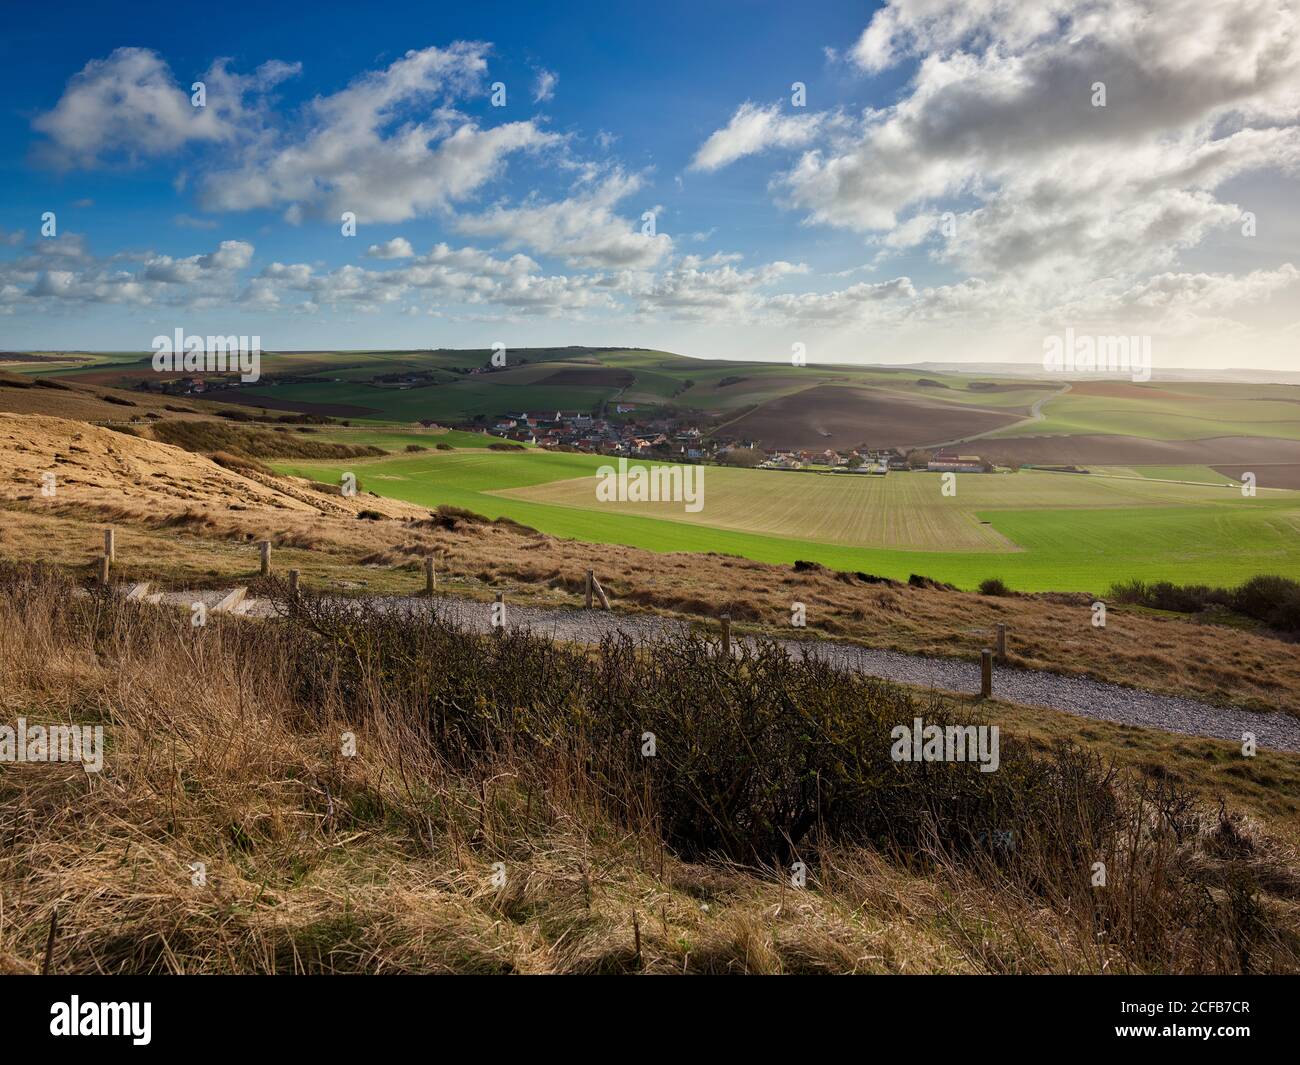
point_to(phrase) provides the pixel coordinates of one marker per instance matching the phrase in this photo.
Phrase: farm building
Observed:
(946, 463)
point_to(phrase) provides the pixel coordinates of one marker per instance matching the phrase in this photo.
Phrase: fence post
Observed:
(428, 575)
(293, 584)
(1002, 642)
(501, 614)
(103, 571)
(986, 674)
(591, 576)
(265, 547)
(726, 634)
(110, 544)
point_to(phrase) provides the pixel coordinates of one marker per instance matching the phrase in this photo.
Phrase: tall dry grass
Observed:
(507, 755)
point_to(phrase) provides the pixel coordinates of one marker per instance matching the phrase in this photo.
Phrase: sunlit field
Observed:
(1036, 530)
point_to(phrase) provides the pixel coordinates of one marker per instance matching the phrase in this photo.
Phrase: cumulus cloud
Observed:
(583, 230)
(1000, 108)
(64, 272)
(754, 129)
(128, 107)
(1047, 202)
(231, 255)
(397, 248)
(357, 151)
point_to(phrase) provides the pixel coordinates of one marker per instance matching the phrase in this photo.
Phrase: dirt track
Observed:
(1082, 696)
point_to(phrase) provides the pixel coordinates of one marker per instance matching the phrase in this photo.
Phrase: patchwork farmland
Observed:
(1160, 500)
(1037, 530)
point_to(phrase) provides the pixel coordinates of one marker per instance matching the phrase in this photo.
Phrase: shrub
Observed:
(279, 441)
(780, 745)
(994, 586)
(240, 463)
(1272, 600)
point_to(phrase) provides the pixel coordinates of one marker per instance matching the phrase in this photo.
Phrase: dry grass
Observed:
(383, 862)
(182, 544)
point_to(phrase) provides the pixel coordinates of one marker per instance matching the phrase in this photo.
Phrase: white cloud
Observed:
(63, 272)
(129, 107)
(397, 248)
(699, 289)
(544, 87)
(231, 255)
(444, 278)
(754, 129)
(357, 151)
(1001, 107)
(583, 230)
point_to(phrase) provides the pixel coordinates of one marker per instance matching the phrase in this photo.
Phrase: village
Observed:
(670, 439)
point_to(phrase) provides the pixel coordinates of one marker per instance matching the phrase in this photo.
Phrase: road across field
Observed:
(1082, 696)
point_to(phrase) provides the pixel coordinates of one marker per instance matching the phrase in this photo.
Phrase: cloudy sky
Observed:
(927, 179)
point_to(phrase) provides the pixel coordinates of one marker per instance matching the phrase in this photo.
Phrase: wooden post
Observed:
(726, 634)
(986, 674)
(293, 584)
(103, 571)
(501, 614)
(1002, 642)
(428, 575)
(110, 545)
(265, 547)
(591, 576)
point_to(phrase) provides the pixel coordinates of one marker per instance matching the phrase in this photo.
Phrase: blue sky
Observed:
(949, 188)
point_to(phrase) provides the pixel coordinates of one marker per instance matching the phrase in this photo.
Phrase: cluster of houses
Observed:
(667, 438)
(868, 461)
(878, 462)
(586, 432)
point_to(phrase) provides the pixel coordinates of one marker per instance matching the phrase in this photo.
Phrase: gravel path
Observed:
(1074, 695)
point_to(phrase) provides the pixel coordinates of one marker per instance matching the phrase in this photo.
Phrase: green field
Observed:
(1175, 411)
(1197, 474)
(1046, 531)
